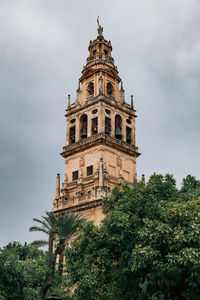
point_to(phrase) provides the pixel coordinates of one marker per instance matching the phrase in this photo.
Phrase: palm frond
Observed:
(38, 220)
(36, 228)
(60, 228)
(51, 216)
(38, 243)
(44, 223)
(68, 224)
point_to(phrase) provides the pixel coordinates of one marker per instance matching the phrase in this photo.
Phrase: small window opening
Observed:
(94, 52)
(128, 135)
(89, 170)
(110, 89)
(75, 175)
(90, 89)
(72, 135)
(94, 126)
(107, 125)
(105, 52)
(118, 127)
(89, 194)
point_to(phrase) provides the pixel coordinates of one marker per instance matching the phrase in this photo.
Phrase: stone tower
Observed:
(100, 150)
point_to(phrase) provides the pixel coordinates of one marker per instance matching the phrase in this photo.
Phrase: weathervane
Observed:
(100, 29)
(98, 21)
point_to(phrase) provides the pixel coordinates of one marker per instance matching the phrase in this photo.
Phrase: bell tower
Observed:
(100, 150)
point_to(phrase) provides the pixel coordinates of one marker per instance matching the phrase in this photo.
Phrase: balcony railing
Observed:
(101, 57)
(80, 199)
(100, 136)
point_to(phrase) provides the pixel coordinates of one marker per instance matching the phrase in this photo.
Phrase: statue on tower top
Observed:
(100, 29)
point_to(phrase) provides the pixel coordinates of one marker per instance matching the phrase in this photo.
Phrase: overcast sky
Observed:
(43, 47)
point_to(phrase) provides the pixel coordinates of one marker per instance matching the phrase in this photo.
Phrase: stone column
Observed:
(124, 128)
(133, 133)
(66, 177)
(77, 129)
(100, 84)
(101, 172)
(69, 102)
(67, 133)
(89, 125)
(100, 120)
(57, 194)
(112, 125)
(96, 87)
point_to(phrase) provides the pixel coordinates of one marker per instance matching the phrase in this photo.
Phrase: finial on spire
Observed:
(99, 29)
(68, 101)
(131, 101)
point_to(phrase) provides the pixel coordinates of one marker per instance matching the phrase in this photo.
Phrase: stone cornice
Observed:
(124, 107)
(100, 139)
(87, 72)
(79, 207)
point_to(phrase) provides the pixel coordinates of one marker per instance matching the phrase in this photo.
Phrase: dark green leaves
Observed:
(147, 247)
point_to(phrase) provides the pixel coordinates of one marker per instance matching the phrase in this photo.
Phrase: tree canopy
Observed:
(147, 247)
(21, 272)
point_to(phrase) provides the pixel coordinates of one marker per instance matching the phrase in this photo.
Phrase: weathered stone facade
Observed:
(100, 149)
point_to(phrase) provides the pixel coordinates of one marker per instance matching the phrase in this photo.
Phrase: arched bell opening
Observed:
(94, 126)
(128, 135)
(107, 125)
(90, 89)
(118, 127)
(84, 126)
(110, 89)
(72, 134)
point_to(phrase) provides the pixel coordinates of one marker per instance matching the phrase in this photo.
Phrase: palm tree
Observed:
(59, 230)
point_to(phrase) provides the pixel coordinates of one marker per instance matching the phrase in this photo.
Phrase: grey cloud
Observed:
(43, 48)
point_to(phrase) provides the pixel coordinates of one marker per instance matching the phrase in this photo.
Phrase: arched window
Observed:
(118, 127)
(90, 89)
(84, 126)
(110, 89)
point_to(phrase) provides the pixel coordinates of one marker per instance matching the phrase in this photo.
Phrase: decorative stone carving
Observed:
(100, 84)
(119, 162)
(82, 161)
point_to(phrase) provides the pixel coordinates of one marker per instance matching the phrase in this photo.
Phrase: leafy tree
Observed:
(190, 188)
(21, 272)
(59, 230)
(147, 247)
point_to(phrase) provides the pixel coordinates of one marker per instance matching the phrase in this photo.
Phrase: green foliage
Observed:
(21, 272)
(190, 188)
(59, 229)
(147, 247)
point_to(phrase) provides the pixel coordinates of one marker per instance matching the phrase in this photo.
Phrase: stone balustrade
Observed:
(100, 136)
